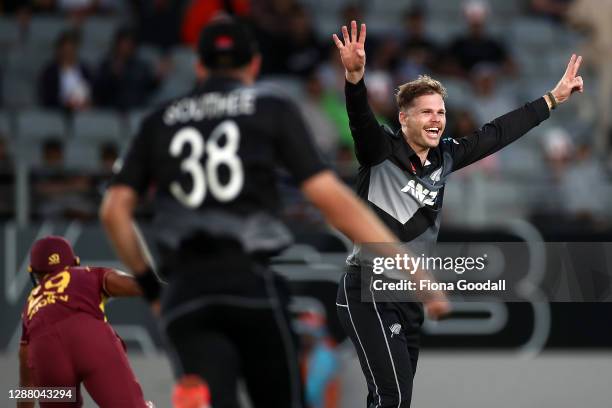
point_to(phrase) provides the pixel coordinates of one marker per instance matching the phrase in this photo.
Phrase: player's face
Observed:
(424, 121)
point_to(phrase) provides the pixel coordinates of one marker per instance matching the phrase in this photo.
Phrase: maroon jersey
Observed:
(63, 294)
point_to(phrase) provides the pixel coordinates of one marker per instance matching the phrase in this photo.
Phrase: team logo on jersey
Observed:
(436, 175)
(395, 329)
(54, 259)
(420, 193)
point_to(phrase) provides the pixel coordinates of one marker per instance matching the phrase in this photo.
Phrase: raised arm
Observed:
(372, 144)
(507, 128)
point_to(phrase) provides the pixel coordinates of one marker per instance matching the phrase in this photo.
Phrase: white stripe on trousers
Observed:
(348, 308)
(382, 327)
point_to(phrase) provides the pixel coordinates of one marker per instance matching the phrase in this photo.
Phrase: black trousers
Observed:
(227, 319)
(386, 338)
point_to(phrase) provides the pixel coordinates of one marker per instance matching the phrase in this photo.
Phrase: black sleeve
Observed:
(294, 144)
(497, 134)
(372, 144)
(134, 169)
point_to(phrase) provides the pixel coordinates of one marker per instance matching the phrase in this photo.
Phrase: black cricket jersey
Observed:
(213, 156)
(403, 192)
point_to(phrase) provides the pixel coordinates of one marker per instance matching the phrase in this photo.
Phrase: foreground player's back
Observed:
(213, 157)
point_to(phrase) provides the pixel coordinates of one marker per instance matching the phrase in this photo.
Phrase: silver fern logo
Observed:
(436, 175)
(395, 329)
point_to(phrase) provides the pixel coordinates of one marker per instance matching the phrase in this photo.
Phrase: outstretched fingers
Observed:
(570, 65)
(337, 41)
(576, 66)
(345, 34)
(354, 31)
(362, 34)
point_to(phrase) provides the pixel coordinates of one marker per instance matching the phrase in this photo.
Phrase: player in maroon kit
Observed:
(66, 340)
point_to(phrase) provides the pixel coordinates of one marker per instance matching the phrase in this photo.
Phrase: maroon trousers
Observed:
(81, 349)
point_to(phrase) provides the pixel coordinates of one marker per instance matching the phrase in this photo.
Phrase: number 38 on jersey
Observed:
(204, 162)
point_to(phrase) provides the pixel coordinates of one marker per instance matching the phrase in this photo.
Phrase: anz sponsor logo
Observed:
(420, 193)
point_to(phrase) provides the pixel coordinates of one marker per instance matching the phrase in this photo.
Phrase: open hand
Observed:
(570, 81)
(352, 51)
(437, 308)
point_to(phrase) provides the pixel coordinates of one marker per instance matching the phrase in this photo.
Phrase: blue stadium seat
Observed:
(27, 63)
(18, 92)
(84, 155)
(184, 62)
(6, 128)
(98, 32)
(97, 126)
(43, 31)
(533, 33)
(172, 87)
(35, 124)
(134, 120)
(9, 33)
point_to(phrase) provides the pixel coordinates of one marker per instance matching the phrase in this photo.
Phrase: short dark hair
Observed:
(423, 85)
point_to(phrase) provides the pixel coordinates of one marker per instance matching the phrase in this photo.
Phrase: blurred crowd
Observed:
(491, 55)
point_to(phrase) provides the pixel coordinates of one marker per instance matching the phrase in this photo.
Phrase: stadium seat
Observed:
(134, 119)
(97, 126)
(6, 129)
(184, 62)
(9, 33)
(27, 63)
(534, 33)
(43, 31)
(17, 92)
(172, 87)
(444, 31)
(505, 9)
(36, 125)
(98, 32)
(84, 154)
(150, 54)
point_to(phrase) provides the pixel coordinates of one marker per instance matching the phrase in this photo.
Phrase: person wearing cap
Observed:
(402, 175)
(212, 156)
(65, 338)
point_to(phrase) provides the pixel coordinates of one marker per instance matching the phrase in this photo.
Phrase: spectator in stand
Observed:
(583, 179)
(419, 52)
(464, 124)
(486, 99)
(84, 8)
(596, 17)
(323, 130)
(271, 25)
(476, 46)
(304, 52)
(554, 10)
(159, 22)
(125, 81)
(57, 192)
(65, 82)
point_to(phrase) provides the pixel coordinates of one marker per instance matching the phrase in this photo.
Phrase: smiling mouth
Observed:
(433, 131)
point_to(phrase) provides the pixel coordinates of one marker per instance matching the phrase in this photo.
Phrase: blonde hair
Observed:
(423, 85)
